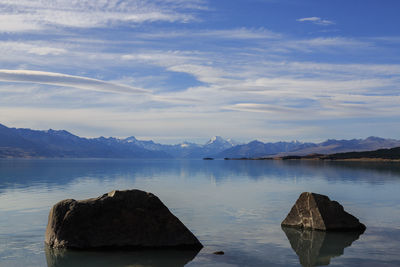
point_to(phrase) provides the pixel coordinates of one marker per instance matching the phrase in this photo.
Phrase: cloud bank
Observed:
(207, 72)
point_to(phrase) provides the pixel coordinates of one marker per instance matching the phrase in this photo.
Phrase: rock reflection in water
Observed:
(316, 248)
(139, 258)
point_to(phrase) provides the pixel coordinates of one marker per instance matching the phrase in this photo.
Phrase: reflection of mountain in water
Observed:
(140, 258)
(25, 173)
(316, 248)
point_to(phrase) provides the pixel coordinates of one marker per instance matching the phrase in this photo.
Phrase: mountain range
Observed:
(27, 143)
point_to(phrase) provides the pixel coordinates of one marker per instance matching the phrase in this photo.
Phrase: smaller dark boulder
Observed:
(318, 212)
(119, 219)
(219, 253)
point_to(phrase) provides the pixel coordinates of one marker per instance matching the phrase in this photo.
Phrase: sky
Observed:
(186, 70)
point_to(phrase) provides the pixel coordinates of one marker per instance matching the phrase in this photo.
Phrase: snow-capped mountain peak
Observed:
(216, 139)
(131, 139)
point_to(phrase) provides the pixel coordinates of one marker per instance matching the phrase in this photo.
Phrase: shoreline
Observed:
(322, 159)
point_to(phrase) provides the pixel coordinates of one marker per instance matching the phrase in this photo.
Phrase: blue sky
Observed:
(176, 70)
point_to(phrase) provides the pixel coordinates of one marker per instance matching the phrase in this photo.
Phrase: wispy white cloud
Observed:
(58, 79)
(203, 73)
(164, 58)
(236, 33)
(36, 48)
(329, 42)
(317, 20)
(239, 33)
(388, 39)
(10, 23)
(264, 108)
(28, 15)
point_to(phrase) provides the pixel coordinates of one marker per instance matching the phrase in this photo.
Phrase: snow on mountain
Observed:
(218, 140)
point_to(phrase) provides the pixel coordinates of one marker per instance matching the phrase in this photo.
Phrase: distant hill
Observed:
(338, 146)
(258, 149)
(390, 154)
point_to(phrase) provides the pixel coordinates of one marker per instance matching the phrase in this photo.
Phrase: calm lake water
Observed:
(234, 206)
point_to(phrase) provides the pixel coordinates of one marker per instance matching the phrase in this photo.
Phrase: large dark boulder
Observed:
(119, 219)
(318, 212)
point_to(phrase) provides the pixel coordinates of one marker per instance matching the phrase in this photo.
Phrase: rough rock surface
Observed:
(315, 211)
(119, 219)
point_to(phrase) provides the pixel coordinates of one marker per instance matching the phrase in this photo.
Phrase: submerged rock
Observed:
(119, 219)
(315, 211)
(316, 248)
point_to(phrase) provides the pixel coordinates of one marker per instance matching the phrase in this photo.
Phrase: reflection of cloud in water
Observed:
(138, 258)
(316, 248)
